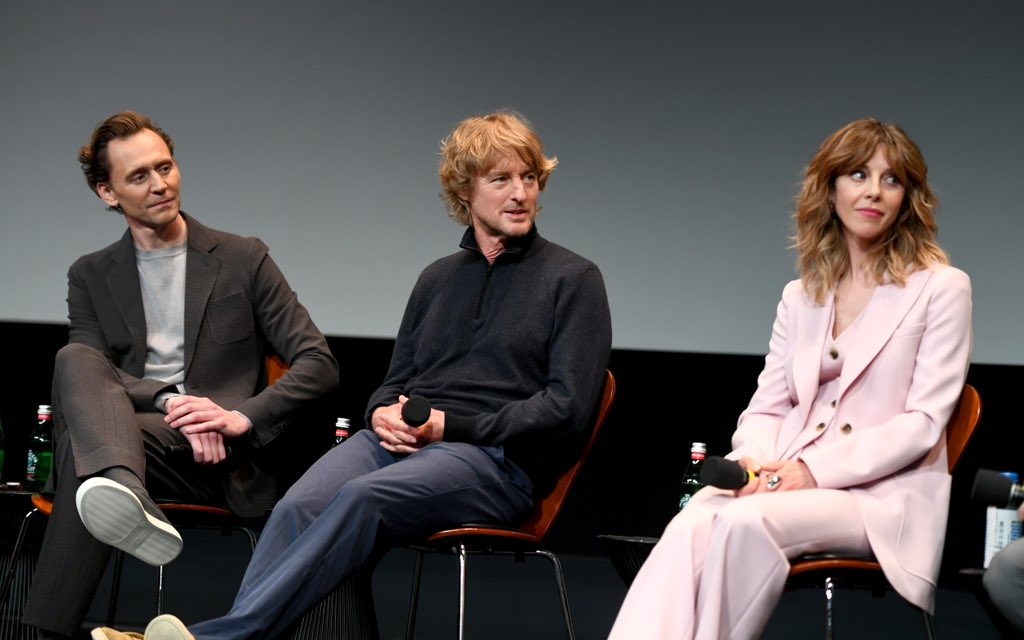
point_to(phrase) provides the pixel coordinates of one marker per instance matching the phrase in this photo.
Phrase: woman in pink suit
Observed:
(845, 432)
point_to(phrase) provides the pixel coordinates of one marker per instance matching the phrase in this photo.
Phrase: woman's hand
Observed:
(786, 475)
(757, 482)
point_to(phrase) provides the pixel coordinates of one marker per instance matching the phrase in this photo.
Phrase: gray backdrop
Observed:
(682, 129)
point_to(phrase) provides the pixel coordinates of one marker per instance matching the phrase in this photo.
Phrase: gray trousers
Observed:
(1004, 582)
(351, 505)
(96, 427)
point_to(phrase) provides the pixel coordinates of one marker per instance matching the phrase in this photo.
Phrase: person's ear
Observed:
(106, 194)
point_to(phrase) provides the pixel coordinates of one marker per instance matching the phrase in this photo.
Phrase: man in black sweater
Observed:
(508, 339)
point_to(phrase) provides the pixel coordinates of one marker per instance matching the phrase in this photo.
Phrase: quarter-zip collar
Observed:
(516, 247)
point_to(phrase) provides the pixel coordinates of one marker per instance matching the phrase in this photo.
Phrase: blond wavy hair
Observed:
(476, 145)
(908, 246)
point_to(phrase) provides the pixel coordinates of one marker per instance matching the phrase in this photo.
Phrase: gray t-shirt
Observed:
(162, 279)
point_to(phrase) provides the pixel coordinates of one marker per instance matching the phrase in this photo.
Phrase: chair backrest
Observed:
(961, 425)
(276, 367)
(546, 510)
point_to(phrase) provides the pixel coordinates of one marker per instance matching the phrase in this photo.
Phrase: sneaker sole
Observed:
(113, 515)
(167, 627)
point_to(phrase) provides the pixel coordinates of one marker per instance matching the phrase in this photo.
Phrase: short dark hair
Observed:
(93, 156)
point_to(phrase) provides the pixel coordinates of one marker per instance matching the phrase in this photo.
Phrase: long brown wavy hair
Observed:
(908, 246)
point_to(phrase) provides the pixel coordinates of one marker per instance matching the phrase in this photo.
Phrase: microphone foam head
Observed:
(992, 488)
(416, 411)
(723, 473)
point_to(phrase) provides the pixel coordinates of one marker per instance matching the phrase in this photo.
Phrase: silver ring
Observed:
(773, 482)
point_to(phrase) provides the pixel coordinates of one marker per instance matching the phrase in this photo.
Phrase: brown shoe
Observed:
(106, 633)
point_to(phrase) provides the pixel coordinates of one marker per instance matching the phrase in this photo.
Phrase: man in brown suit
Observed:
(162, 388)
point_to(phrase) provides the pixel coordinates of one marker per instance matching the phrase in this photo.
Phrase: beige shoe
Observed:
(106, 633)
(167, 627)
(114, 515)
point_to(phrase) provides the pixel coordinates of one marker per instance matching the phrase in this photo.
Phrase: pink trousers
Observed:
(720, 567)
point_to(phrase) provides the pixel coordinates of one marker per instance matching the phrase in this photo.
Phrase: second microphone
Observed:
(724, 473)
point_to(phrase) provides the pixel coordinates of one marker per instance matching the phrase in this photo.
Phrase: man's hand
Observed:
(205, 424)
(207, 448)
(398, 437)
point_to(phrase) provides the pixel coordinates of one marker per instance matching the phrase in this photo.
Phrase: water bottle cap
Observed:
(698, 446)
(342, 423)
(45, 409)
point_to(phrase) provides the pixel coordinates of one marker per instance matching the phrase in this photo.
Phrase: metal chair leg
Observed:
(160, 590)
(249, 533)
(462, 590)
(929, 627)
(830, 619)
(830, 614)
(463, 554)
(562, 593)
(414, 597)
(115, 588)
(15, 555)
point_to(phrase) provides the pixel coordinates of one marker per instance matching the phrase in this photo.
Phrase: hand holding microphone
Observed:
(416, 411)
(789, 475)
(399, 425)
(727, 474)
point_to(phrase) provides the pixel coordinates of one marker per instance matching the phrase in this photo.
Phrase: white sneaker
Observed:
(114, 515)
(167, 627)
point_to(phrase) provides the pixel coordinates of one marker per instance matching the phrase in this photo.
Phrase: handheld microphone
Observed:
(416, 411)
(993, 488)
(725, 474)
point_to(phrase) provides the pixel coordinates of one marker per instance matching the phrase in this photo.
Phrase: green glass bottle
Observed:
(691, 483)
(40, 450)
(340, 431)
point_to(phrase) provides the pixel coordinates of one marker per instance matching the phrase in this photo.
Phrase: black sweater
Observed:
(514, 353)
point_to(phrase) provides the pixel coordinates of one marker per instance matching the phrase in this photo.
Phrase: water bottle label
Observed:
(1002, 526)
(44, 463)
(30, 467)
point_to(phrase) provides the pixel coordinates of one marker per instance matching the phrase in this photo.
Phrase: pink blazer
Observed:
(904, 371)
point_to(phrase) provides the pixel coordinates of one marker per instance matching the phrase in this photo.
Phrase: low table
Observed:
(627, 553)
